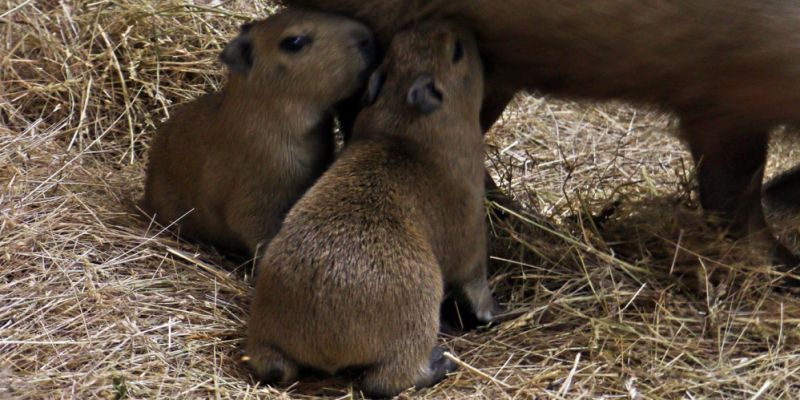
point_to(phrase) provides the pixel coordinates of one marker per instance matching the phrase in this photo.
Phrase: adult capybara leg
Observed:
(410, 367)
(494, 102)
(730, 167)
(497, 196)
(270, 365)
(784, 190)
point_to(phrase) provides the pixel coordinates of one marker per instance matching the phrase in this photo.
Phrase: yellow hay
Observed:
(96, 301)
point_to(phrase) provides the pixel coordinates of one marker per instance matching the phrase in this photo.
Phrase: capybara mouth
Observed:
(367, 49)
(370, 63)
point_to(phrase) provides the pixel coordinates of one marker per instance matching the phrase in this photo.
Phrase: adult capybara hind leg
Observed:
(730, 166)
(784, 190)
(497, 196)
(406, 369)
(271, 365)
(494, 103)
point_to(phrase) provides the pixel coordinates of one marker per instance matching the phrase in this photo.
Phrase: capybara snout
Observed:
(430, 60)
(290, 51)
(424, 95)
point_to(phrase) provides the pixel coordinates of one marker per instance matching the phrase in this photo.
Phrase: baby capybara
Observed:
(355, 276)
(228, 166)
(730, 69)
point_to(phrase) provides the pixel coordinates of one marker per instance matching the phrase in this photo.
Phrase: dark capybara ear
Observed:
(373, 87)
(424, 96)
(238, 55)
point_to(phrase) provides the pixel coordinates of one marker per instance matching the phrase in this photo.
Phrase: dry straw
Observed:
(95, 301)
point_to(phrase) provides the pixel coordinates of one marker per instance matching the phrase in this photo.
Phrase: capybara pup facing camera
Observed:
(730, 69)
(229, 165)
(355, 276)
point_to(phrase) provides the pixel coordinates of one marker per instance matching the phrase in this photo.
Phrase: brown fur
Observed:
(241, 157)
(729, 69)
(355, 276)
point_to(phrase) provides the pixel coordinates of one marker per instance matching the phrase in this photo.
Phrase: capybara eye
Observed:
(458, 51)
(293, 44)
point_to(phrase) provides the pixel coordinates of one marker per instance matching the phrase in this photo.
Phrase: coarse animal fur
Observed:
(355, 277)
(228, 166)
(730, 70)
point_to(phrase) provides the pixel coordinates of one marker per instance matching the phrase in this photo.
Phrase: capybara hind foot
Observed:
(440, 366)
(399, 373)
(271, 366)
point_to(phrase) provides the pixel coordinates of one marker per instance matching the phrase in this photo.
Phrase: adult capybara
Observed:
(730, 69)
(355, 276)
(228, 166)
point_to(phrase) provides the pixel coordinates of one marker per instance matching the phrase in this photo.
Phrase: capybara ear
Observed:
(238, 55)
(373, 87)
(424, 96)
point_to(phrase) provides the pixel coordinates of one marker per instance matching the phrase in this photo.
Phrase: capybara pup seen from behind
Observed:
(730, 69)
(355, 276)
(228, 166)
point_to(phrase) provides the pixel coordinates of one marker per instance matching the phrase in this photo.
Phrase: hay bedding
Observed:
(95, 301)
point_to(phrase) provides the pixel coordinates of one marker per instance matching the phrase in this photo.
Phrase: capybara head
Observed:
(435, 65)
(316, 57)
